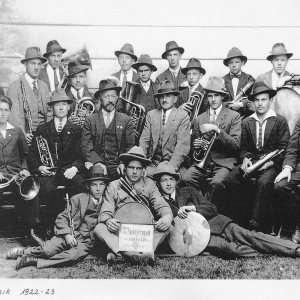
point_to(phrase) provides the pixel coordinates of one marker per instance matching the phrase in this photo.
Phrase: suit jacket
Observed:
(176, 140)
(93, 131)
(267, 78)
(13, 152)
(225, 149)
(69, 152)
(45, 78)
(166, 75)
(17, 117)
(86, 93)
(1, 91)
(276, 136)
(115, 196)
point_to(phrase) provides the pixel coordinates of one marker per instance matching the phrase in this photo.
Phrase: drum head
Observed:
(190, 236)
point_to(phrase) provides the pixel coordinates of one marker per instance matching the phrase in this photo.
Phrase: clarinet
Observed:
(26, 108)
(69, 208)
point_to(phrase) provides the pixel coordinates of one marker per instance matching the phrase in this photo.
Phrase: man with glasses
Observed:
(107, 134)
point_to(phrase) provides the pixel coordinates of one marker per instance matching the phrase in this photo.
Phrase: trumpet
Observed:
(242, 94)
(86, 106)
(195, 101)
(29, 186)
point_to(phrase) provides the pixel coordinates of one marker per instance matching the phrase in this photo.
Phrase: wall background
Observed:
(207, 29)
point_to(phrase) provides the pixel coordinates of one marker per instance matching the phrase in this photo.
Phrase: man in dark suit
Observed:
(166, 134)
(173, 54)
(107, 134)
(226, 125)
(228, 240)
(63, 139)
(53, 72)
(262, 133)
(235, 80)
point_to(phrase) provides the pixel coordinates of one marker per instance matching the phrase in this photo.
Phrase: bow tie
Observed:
(235, 76)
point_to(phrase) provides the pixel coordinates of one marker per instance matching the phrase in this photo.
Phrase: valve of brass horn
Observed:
(195, 101)
(242, 94)
(84, 108)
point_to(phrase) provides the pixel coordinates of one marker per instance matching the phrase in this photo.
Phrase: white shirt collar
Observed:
(269, 114)
(239, 73)
(8, 126)
(30, 81)
(175, 71)
(211, 111)
(74, 92)
(193, 88)
(275, 78)
(96, 202)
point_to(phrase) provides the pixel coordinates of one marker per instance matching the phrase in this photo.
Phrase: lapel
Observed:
(180, 197)
(169, 126)
(49, 127)
(222, 116)
(67, 132)
(228, 84)
(181, 76)
(119, 127)
(100, 125)
(40, 97)
(242, 82)
(268, 79)
(269, 127)
(252, 128)
(156, 127)
(28, 91)
(9, 136)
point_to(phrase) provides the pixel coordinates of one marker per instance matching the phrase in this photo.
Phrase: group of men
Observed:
(226, 136)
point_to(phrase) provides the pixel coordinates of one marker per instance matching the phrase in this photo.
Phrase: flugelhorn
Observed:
(44, 152)
(86, 106)
(29, 186)
(242, 94)
(195, 101)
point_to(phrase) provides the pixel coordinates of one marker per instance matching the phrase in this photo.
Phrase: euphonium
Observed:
(195, 100)
(242, 94)
(86, 106)
(44, 151)
(29, 186)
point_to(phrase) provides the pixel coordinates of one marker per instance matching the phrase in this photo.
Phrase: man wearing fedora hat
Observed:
(226, 124)
(53, 72)
(166, 134)
(236, 79)
(193, 72)
(135, 164)
(263, 132)
(279, 58)
(227, 240)
(108, 133)
(35, 93)
(74, 229)
(63, 139)
(173, 54)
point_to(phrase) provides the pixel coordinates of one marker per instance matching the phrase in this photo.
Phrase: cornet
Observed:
(86, 106)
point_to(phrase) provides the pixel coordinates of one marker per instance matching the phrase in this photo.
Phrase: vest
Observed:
(158, 156)
(146, 99)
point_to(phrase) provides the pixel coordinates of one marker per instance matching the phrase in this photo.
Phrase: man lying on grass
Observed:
(228, 240)
(74, 229)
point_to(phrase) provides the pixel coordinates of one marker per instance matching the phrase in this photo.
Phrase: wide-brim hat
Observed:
(33, 53)
(53, 46)
(165, 168)
(193, 63)
(216, 84)
(234, 52)
(59, 96)
(143, 60)
(107, 85)
(135, 153)
(96, 173)
(166, 87)
(172, 45)
(183, 85)
(279, 49)
(127, 49)
(75, 68)
(261, 88)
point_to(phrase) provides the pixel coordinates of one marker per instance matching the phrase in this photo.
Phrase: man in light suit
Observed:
(53, 72)
(226, 125)
(279, 57)
(36, 92)
(166, 134)
(107, 134)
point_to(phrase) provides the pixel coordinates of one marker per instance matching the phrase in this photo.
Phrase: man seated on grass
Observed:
(228, 240)
(74, 229)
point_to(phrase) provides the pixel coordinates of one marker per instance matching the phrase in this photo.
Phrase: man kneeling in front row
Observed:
(74, 229)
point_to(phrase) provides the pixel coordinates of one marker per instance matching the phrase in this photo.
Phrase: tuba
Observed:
(86, 106)
(195, 101)
(242, 94)
(29, 186)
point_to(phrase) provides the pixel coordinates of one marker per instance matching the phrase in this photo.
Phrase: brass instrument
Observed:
(195, 101)
(242, 94)
(29, 186)
(86, 106)
(26, 108)
(44, 151)
(260, 163)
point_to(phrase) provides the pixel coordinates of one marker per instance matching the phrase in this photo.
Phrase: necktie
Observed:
(55, 79)
(35, 90)
(60, 126)
(124, 80)
(171, 199)
(259, 142)
(174, 75)
(235, 76)
(190, 91)
(164, 118)
(214, 117)
(107, 120)
(78, 95)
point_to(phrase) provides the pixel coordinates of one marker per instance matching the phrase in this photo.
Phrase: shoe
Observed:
(111, 259)
(26, 261)
(14, 253)
(296, 236)
(38, 241)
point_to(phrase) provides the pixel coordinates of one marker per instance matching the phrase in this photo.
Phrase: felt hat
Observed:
(279, 49)
(193, 63)
(216, 84)
(143, 60)
(96, 173)
(234, 52)
(107, 85)
(126, 49)
(261, 88)
(75, 68)
(59, 96)
(53, 46)
(135, 153)
(32, 53)
(183, 85)
(165, 168)
(172, 45)
(166, 87)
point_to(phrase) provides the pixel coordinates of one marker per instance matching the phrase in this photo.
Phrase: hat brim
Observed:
(117, 53)
(217, 91)
(180, 49)
(175, 93)
(97, 178)
(116, 88)
(270, 57)
(79, 71)
(202, 71)
(38, 57)
(242, 57)
(126, 157)
(137, 65)
(271, 93)
(157, 176)
(48, 53)
(69, 101)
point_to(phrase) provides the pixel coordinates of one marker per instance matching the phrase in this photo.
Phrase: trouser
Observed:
(112, 240)
(235, 241)
(56, 253)
(236, 187)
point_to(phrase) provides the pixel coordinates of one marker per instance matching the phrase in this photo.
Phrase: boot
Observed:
(36, 238)
(14, 253)
(26, 261)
